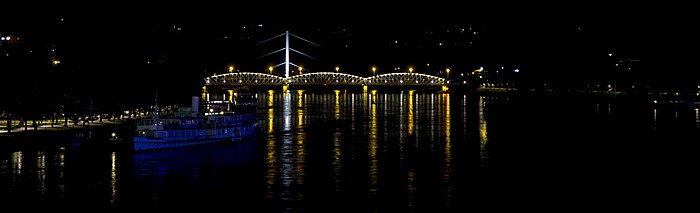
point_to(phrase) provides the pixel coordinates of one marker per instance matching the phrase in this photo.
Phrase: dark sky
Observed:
(112, 44)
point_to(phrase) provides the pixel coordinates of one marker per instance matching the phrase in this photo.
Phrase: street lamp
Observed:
(300, 69)
(448, 72)
(270, 68)
(374, 70)
(230, 68)
(410, 69)
(337, 69)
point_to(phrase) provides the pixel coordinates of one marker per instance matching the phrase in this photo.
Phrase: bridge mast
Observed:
(286, 56)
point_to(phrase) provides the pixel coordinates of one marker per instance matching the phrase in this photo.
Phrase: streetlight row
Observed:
(374, 70)
(337, 69)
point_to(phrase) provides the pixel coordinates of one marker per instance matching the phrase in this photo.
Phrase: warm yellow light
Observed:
(337, 68)
(410, 69)
(300, 69)
(448, 70)
(230, 68)
(270, 68)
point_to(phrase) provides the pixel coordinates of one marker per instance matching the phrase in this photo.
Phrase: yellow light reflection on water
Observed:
(448, 152)
(448, 145)
(352, 109)
(300, 110)
(432, 116)
(374, 168)
(336, 160)
(483, 136)
(386, 115)
(337, 104)
(299, 100)
(230, 96)
(300, 114)
(410, 112)
(271, 162)
(113, 180)
(300, 153)
(300, 162)
(270, 111)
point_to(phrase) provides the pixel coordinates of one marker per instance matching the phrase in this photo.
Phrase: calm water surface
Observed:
(386, 152)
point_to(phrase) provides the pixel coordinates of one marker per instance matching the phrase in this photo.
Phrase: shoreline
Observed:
(46, 131)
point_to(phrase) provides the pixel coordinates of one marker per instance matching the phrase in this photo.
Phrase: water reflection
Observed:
(483, 132)
(447, 170)
(270, 112)
(287, 110)
(41, 172)
(373, 145)
(271, 163)
(410, 113)
(357, 152)
(399, 128)
(113, 180)
(17, 162)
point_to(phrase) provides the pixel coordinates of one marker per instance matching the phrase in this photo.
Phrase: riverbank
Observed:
(47, 128)
(45, 135)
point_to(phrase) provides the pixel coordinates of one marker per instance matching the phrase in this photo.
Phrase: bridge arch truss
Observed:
(244, 78)
(324, 78)
(405, 79)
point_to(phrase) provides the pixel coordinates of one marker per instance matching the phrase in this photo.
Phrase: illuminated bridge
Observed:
(220, 88)
(324, 78)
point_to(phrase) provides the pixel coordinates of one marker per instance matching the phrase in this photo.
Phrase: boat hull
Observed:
(150, 143)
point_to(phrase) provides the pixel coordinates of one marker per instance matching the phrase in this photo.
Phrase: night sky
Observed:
(125, 52)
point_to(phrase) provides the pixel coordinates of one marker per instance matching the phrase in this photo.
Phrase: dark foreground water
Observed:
(396, 152)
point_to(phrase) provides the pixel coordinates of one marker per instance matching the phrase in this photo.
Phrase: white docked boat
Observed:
(226, 121)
